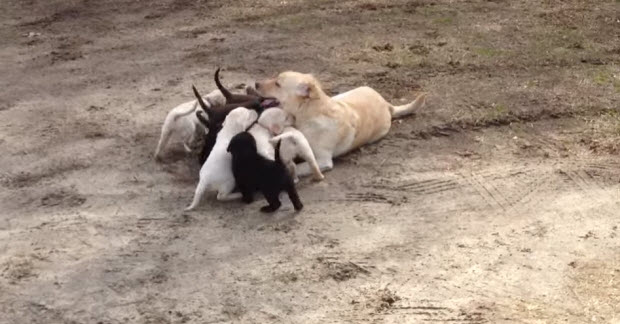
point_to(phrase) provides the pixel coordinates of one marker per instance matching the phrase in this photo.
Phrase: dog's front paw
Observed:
(319, 177)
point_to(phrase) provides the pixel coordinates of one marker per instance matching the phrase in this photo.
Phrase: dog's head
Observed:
(239, 119)
(275, 119)
(291, 89)
(242, 145)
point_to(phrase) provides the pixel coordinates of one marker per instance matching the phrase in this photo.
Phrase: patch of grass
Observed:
(602, 78)
(496, 112)
(443, 21)
(612, 117)
(603, 133)
(293, 22)
(487, 52)
(396, 56)
(605, 78)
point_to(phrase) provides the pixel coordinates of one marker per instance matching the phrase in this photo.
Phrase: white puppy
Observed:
(293, 142)
(182, 123)
(216, 173)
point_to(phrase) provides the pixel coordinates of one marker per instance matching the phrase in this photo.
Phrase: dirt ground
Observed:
(498, 203)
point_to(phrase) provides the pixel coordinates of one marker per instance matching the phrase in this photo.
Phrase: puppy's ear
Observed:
(290, 120)
(304, 90)
(275, 129)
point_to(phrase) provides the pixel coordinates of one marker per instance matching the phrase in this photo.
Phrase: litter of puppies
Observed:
(250, 142)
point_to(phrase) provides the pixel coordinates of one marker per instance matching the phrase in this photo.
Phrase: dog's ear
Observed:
(275, 129)
(304, 90)
(290, 120)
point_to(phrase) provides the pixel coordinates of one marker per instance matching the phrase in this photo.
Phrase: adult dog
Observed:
(336, 125)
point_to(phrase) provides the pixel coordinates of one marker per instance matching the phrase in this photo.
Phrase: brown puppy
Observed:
(333, 126)
(232, 98)
(252, 100)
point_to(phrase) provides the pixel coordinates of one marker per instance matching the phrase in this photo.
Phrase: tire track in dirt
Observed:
(391, 308)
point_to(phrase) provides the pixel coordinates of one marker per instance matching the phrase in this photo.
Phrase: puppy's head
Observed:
(242, 145)
(275, 119)
(239, 119)
(291, 89)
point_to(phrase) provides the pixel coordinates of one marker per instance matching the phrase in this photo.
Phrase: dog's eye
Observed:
(277, 84)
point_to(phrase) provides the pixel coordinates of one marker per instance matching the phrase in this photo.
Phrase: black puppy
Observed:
(254, 172)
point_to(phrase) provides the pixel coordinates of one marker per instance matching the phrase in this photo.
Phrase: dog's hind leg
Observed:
(225, 193)
(274, 203)
(166, 131)
(308, 156)
(190, 141)
(198, 195)
(292, 171)
(324, 162)
(292, 194)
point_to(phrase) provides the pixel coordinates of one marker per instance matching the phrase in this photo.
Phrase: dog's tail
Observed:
(276, 155)
(202, 104)
(278, 138)
(186, 112)
(202, 118)
(410, 108)
(219, 85)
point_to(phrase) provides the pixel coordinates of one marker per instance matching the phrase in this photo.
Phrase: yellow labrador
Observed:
(336, 125)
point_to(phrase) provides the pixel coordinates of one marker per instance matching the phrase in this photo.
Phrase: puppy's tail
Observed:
(278, 138)
(186, 112)
(277, 153)
(410, 108)
(202, 104)
(224, 91)
(202, 118)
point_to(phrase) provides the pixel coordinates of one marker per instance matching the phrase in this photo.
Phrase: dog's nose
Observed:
(256, 85)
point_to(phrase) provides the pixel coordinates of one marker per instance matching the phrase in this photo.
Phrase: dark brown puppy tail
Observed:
(202, 118)
(276, 155)
(219, 85)
(202, 104)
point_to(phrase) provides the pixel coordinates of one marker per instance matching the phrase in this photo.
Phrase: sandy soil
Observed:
(498, 203)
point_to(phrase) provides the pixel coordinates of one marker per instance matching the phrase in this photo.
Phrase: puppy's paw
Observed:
(319, 177)
(268, 209)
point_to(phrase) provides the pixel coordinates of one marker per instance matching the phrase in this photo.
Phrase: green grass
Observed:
(605, 78)
(443, 21)
(487, 52)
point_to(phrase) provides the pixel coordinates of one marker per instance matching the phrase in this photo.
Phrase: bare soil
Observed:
(498, 203)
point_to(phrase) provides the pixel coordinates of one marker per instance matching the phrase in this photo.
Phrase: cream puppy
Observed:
(216, 173)
(293, 142)
(337, 125)
(182, 123)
